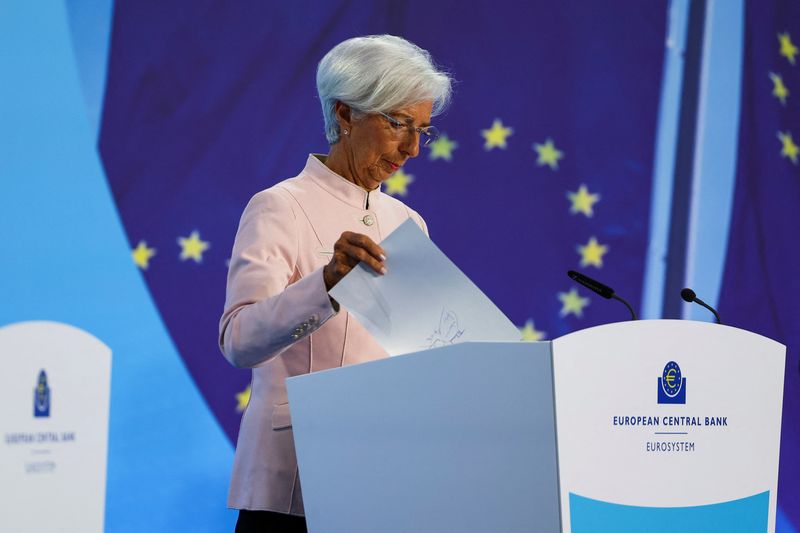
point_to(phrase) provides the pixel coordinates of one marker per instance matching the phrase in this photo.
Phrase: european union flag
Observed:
(761, 287)
(545, 164)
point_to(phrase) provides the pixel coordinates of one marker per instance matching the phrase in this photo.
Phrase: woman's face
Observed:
(376, 148)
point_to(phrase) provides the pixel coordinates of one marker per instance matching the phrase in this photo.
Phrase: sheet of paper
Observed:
(424, 301)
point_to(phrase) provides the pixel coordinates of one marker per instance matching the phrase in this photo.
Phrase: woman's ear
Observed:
(344, 117)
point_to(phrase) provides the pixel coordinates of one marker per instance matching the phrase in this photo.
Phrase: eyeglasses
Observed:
(426, 135)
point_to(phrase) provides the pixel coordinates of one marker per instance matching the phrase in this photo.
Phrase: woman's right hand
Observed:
(349, 250)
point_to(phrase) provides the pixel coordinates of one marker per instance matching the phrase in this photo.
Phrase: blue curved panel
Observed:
(746, 515)
(66, 259)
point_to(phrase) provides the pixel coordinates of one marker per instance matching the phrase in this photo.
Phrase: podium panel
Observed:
(54, 397)
(667, 425)
(458, 438)
(655, 426)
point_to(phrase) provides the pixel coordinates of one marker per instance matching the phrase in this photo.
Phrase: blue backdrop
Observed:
(219, 103)
(760, 287)
(133, 134)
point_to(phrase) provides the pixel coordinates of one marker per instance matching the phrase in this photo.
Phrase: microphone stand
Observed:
(624, 301)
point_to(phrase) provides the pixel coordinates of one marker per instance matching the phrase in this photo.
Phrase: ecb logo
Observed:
(671, 385)
(41, 397)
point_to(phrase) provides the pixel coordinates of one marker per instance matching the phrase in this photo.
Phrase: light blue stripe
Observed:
(714, 172)
(90, 28)
(664, 165)
(747, 515)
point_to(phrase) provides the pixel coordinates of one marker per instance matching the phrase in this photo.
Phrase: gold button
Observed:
(368, 220)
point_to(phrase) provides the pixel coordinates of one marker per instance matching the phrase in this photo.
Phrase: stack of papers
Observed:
(423, 302)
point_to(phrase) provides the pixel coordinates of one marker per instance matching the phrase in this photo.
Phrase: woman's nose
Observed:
(410, 144)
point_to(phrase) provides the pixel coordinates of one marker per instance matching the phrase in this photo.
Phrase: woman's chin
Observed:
(373, 182)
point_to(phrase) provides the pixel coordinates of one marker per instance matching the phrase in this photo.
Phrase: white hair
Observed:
(378, 73)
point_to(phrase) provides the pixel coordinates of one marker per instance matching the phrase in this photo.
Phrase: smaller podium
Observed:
(54, 399)
(637, 426)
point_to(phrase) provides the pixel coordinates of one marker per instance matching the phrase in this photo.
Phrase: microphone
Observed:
(603, 290)
(688, 295)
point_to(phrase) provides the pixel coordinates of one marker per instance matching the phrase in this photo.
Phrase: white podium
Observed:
(637, 426)
(54, 400)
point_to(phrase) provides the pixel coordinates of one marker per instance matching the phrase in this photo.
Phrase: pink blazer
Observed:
(278, 318)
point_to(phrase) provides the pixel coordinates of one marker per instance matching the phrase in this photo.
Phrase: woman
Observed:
(297, 239)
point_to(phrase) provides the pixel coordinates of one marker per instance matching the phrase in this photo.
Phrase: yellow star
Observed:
(572, 302)
(192, 247)
(592, 253)
(788, 49)
(398, 183)
(496, 135)
(789, 149)
(779, 90)
(242, 399)
(582, 201)
(530, 333)
(442, 148)
(142, 255)
(548, 154)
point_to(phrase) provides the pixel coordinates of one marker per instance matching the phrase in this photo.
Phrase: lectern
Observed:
(651, 426)
(54, 400)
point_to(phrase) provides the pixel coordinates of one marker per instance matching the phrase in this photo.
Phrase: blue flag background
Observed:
(545, 165)
(761, 287)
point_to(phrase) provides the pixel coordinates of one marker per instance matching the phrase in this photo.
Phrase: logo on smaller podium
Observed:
(672, 385)
(41, 397)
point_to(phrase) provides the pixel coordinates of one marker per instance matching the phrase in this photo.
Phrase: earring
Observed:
(346, 132)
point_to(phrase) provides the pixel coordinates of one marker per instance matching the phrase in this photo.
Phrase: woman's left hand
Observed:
(349, 250)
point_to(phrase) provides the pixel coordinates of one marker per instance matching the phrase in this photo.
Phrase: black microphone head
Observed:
(603, 290)
(688, 295)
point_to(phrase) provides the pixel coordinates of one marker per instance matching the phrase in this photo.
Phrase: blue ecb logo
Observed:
(41, 397)
(671, 385)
